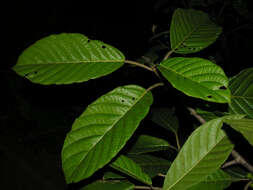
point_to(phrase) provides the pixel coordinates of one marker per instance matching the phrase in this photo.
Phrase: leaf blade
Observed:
(67, 58)
(192, 31)
(218, 180)
(151, 165)
(146, 143)
(241, 87)
(165, 118)
(243, 126)
(204, 152)
(197, 77)
(102, 130)
(129, 167)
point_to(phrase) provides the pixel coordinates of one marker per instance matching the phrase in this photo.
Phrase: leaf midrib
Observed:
(214, 91)
(145, 92)
(195, 164)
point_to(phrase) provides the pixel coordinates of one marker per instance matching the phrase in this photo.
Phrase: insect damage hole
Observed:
(103, 46)
(122, 101)
(209, 96)
(223, 88)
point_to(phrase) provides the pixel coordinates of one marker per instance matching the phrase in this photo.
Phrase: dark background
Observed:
(35, 118)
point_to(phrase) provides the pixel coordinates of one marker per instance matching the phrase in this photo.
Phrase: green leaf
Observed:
(192, 31)
(102, 130)
(130, 168)
(165, 118)
(197, 77)
(151, 165)
(147, 143)
(109, 185)
(112, 175)
(243, 126)
(241, 87)
(218, 180)
(204, 152)
(67, 58)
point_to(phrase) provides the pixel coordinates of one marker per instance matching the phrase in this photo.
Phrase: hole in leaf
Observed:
(209, 96)
(88, 41)
(122, 101)
(103, 46)
(223, 88)
(133, 98)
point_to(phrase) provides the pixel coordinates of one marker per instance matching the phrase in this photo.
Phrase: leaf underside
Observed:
(146, 143)
(202, 154)
(102, 130)
(130, 168)
(197, 77)
(243, 126)
(241, 87)
(151, 165)
(165, 118)
(218, 180)
(67, 58)
(192, 31)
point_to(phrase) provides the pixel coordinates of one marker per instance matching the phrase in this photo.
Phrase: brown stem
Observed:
(247, 185)
(237, 157)
(139, 65)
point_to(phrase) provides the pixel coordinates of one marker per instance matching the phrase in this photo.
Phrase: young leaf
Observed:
(147, 143)
(241, 87)
(204, 152)
(151, 165)
(197, 77)
(243, 126)
(67, 58)
(109, 185)
(218, 180)
(102, 130)
(129, 167)
(192, 31)
(165, 118)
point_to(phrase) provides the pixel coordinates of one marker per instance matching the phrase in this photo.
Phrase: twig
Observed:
(139, 65)
(247, 185)
(230, 163)
(240, 160)
(161, 175)
(237, 157)
(168, 54)
(178, 143)
(160, 34)
(154, 86)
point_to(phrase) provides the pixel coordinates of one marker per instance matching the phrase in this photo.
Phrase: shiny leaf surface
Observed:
(241, 87)
(202, 154)
(102, 130)
(67, 58)
(192, 31)
(130, 168)
(197, 77)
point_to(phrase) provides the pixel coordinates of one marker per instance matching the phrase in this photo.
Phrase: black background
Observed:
(36, 118)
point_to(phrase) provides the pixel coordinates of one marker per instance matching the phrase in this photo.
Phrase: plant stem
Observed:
(139, 65)
(247, 185)
(154, 86)
(160, 34)
(161, 175)
(168, 54)
(237, 157)
(230, 163)
(178, 143)
(147, 187)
